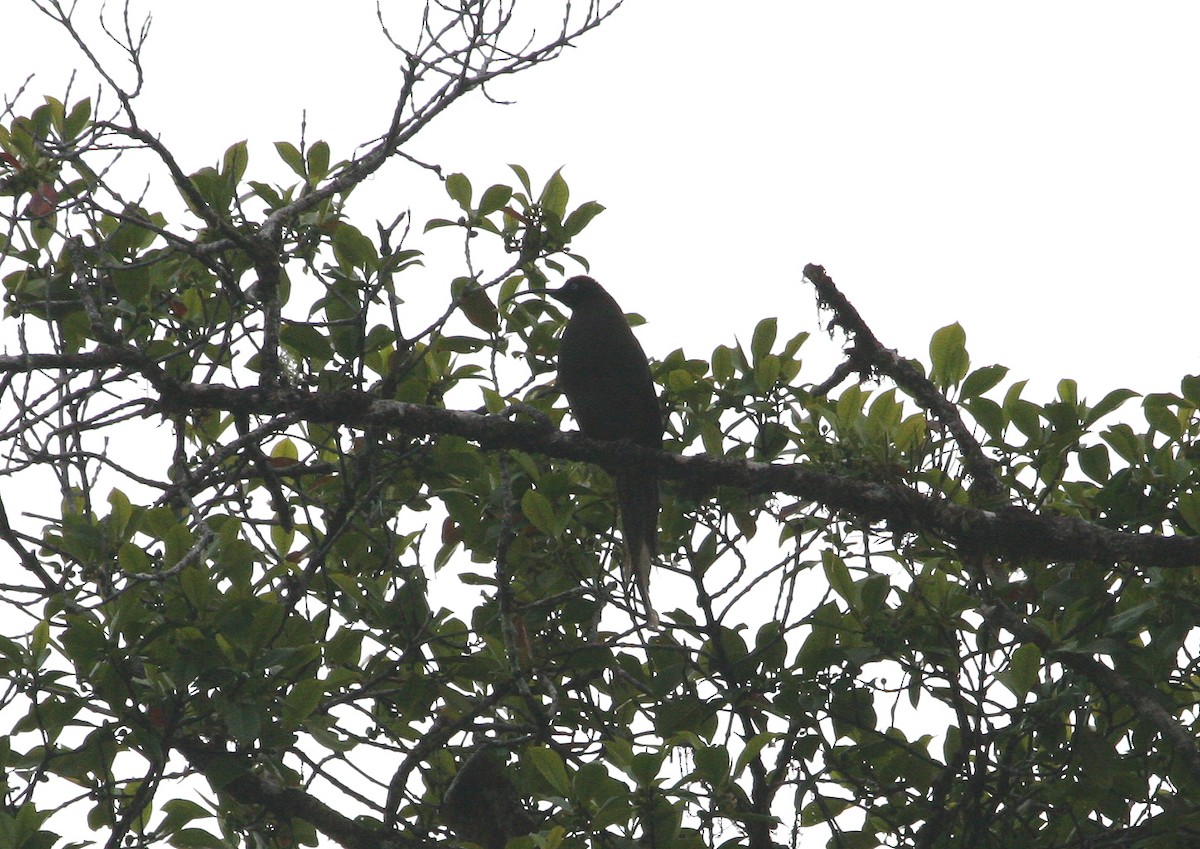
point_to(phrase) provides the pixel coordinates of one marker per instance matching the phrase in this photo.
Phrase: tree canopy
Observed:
(903, 604)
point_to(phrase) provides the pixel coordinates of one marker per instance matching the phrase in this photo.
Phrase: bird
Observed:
(605, 375)
(482, 805)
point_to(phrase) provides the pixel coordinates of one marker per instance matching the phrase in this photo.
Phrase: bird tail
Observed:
(637, 497)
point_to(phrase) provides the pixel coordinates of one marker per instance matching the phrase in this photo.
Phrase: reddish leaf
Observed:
(43, 201)
(451, 535)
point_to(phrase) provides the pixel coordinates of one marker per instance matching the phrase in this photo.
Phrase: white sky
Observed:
(1028, 169)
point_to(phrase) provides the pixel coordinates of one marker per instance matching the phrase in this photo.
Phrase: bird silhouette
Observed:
(604, 373)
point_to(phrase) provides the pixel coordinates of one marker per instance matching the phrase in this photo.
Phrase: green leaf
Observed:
(133, 559)
(839, 577)
(712, 764)
(233, 164)
(680, 381)
(307, 342)
(1190, 387)
(119, 516)
(770, 646)
(865, 838)
(540, 512)
(353, 249)
(196, 838)
(644, 767)
(1027, 417)
(435, 223)
(581, 217)
(555, 194)
(1125, 442)
(39, 641)
(766, 373)
(299, 704)
(885, 413)
(318, 162)
(132, 283)
(750, 752)
(550, 765)
(494, 199)
(1189, 509)
(1133, 620)
(873, 590)
(344, 649)
(850, 404)
(459, 189)
(343, 306)
(282, 538)
(592, 783)
(1022, 673)
(285, 449)
(764, 338)
(57, 112)
(676, 716)
(291, 156)
(981, 380)
(554, 839)
(1094, 462)
(722, 363)
(989, 415)
(913, 432)
(823, 810)
(619, 753)
(43, 230)
(793, 345)
(948, 354)
(268, 193)
(180, 812)
(523, 176)
(1108, 403)
(242, 719)
(81, 113)
(853, 712)
(1162, 413)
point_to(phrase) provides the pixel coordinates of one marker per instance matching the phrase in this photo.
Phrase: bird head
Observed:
(579, 291)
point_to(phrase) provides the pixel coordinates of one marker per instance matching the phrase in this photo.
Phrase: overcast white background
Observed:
(1028, 169)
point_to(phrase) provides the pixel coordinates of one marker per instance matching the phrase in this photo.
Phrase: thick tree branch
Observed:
(102, 357)
(1010, 533)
